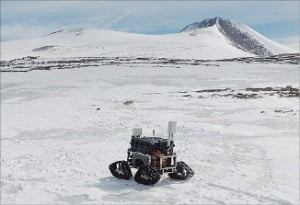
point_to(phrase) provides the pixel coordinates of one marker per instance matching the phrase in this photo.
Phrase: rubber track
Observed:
(121, 170)
(183, 172)
(147, 176)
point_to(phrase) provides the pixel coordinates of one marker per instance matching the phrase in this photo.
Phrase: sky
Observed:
(278, 20)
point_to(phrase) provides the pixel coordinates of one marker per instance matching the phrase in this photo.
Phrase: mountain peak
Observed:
(238, 35)
(204, 23)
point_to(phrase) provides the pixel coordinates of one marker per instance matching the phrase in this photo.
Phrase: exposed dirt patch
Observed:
(30, 63)
(287, 91)
(43, 48)
(283, 111)
(128, 102)
(247, 93)
(212, 90)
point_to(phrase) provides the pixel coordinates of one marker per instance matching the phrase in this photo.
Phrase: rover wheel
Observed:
(147, 176)
(183, 171)
(121, 170)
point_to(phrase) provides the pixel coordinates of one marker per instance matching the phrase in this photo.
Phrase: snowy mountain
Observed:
(239, 35)
(210, 39)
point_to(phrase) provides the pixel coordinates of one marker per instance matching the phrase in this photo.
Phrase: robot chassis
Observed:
(152, 156)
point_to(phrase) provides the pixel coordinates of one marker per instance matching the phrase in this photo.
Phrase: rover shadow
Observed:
(113, 184)
(164, 181)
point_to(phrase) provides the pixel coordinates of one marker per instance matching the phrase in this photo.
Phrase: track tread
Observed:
(183, 172)
(121, 170)
(147, 176)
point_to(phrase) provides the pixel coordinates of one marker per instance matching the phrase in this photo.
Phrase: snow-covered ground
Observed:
(62, 128)
(204, 43)
(209, 43)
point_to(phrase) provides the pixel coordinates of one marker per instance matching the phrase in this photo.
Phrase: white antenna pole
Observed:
(153, 132)
(171, 131)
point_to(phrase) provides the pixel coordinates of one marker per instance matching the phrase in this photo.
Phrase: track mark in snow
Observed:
(12, 189)
(256, 196)
(214, 200)
(74, 199)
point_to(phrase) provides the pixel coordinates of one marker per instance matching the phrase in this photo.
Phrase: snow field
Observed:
(57, 145)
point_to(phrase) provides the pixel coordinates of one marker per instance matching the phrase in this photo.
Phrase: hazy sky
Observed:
(22, 19)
